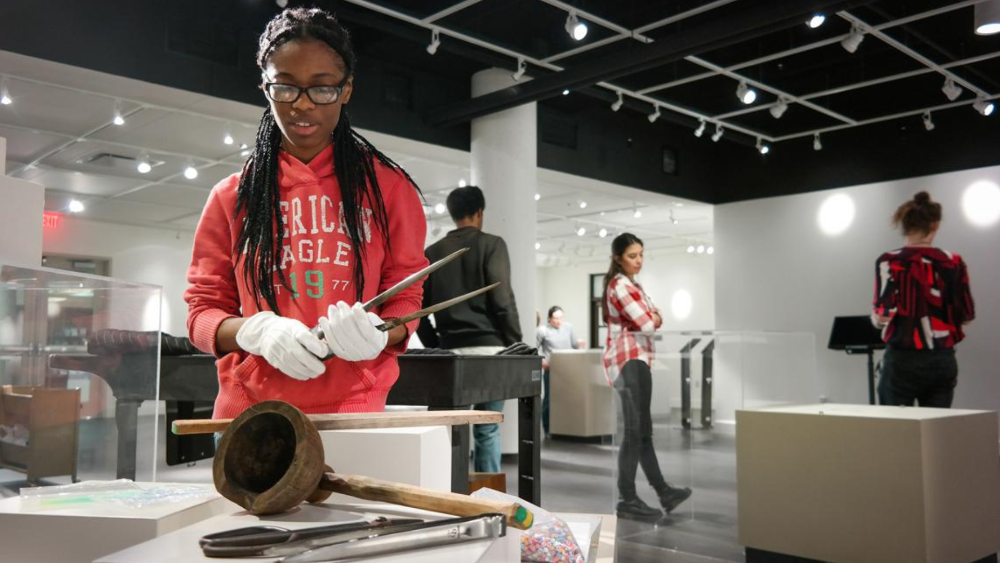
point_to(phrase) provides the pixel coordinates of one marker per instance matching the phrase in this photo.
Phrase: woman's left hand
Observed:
(351, 334)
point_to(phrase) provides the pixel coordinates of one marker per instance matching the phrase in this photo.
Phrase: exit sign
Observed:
(51, 220)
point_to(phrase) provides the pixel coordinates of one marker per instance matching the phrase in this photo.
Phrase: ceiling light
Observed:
(243, 146)
(700, 249)
(690, 249)
(245, 152)
(118, 119)
(435, 42)
(575, 28)
(987, 17)
(581, 231)
(779, 108)
(637, 214)
(566, 92)
(673, 220)
(538, 197)
(144, 167)
(928, 123)
(522, 67)
(440, 209)
(701, 128)
(678, 204)
(190, 172)
(983, 106)
(228, 136)
(281, 3)
(746, 94)
(5, 98)
(718, 132)
(764, 149)
(655, 115)
(76, 206)
(816, 21)
(583, 204)
(462, 183)
(538, 246)
(618, 104)
(602, 233)
(853, 39)
(710, 250)
(817, 144)
(951, 90)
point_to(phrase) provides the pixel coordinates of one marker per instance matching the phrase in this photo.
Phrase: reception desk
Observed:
(861, 483)
(582, 402)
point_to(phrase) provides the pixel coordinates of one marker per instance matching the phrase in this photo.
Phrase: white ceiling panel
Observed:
(174, 195)
(118, 210)
(55, 109)
(80, 182)
(180, 133)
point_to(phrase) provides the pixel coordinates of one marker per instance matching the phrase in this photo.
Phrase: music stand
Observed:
(856, 335)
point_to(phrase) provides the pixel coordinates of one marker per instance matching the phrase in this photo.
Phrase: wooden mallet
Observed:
(270, 460)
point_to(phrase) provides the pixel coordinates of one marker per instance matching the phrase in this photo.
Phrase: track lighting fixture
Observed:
(76, 206)
(746, 94)
(673, 220)
(575, 28)
(566, 92)
(5, 98)
(987, 17)
(602, 233)
(853, 39)
(817, 144)
(764, 149)
(700, 249)
(655, 115)
(435, 42)
(690, 249)
(618, 103)
(440, 209)
(701, 128)
(538, 197)
(144, 166)
(281, 3)
(583, 204)
(779, 108)
(710, 250)
(190, 172)
(462, 183)
(522, 67)
(580, 231)
(951, 90)
(928, 123)
(816, 21)
(718, 132)
(228, 135)
(637, 213)
(983, 106)
(538, 246)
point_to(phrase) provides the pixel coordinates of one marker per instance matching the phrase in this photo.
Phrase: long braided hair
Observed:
(354, 165)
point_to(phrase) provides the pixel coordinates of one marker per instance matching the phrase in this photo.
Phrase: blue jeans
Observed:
(486, 457)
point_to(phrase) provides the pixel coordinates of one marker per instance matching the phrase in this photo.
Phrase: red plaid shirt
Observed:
(630, 311)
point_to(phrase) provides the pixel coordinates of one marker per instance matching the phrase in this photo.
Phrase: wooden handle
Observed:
(427, 499)
(354, 421)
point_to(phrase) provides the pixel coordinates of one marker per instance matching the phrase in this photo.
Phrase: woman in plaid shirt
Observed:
(632, 318)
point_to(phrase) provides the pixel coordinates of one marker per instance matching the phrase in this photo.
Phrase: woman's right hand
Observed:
(285, 343)
(657, 319)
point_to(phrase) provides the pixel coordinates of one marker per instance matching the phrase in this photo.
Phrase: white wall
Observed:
(21, 206)
(144, 255)
(777, 271)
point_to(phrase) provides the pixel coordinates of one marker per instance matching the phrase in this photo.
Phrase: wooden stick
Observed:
(418, 497)
(353, 421)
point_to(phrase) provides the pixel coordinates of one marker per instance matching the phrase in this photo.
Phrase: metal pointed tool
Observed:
(405, 283)
(434, 308)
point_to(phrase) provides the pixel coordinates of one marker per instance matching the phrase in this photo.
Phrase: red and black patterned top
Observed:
(630, 326)
(924, 293)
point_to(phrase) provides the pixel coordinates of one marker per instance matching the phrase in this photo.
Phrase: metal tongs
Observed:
(429, 534)
(407, 282)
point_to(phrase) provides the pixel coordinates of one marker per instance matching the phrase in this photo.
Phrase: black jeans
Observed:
(635, 387)
(925, 376)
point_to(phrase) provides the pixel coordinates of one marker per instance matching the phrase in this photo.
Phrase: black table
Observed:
(458, 382)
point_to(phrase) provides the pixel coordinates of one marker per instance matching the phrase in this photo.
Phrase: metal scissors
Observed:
(275, 541)
(407, 282)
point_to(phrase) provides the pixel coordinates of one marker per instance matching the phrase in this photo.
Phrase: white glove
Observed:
(285, 343)
(351, 334)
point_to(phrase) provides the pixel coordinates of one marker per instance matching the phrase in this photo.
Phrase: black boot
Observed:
(635, 509)
(670, 497)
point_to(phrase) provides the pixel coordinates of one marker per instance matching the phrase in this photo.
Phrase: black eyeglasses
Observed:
(289, 93)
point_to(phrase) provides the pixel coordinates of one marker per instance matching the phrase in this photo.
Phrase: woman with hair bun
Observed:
(922, 303)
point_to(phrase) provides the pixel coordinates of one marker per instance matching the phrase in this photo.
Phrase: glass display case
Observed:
(699, 381)
(79, 356)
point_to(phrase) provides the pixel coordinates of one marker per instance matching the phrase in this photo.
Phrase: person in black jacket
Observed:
(483, 325)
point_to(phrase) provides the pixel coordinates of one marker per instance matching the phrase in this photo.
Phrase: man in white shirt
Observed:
(557, 334)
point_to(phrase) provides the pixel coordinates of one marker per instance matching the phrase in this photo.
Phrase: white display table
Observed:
(80, 535)
(860, 483)
(182, 546)
(582, 403)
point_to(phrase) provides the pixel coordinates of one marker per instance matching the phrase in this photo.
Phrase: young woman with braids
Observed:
(317, 222)
(632, 318)
(922, 303)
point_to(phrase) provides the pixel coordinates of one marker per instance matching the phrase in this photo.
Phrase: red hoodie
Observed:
(317, 260)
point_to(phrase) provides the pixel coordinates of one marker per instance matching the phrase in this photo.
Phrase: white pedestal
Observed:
(582, 402)
(20, 217)
(86, 533)
(860, 483)
(182, 545)
(415, 456)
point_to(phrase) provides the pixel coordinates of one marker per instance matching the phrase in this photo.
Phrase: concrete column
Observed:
(504, 166)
